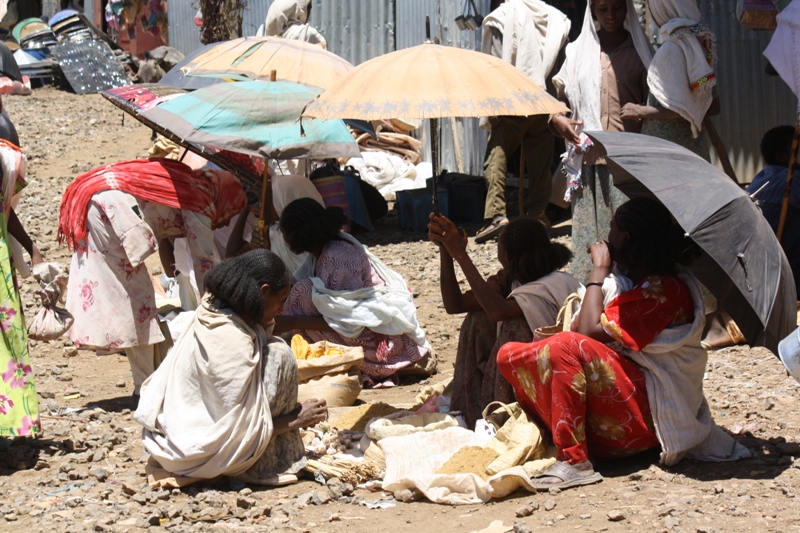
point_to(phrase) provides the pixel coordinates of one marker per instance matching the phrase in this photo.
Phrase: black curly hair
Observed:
(237, 281)
(531, 253)
(775, 141)
(308, 226)
(656, 242)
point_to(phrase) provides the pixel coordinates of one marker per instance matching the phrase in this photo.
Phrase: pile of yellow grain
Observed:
(356, 419)
(470, 460)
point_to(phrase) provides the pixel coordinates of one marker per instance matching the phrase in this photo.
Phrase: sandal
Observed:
(568, 475)
(491, 230)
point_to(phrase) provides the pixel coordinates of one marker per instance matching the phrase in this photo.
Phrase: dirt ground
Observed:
(87, 472)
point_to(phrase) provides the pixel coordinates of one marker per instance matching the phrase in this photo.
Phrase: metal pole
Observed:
(266, 203)
(434, 125)
(521, 199)
(789, 174)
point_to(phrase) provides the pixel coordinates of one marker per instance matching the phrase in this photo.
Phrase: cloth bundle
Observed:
(51, 321)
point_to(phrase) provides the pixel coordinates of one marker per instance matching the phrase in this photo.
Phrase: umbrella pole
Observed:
(521, 199)
(434, 126)
(266, 200)
(789, 174)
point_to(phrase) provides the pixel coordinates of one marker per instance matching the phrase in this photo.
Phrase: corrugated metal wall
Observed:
(469, 140)
(357, 30)
(751, 101)
(183, 33)
(88, 10)
(254, 15)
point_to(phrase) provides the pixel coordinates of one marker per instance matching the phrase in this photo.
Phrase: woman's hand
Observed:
(311, 413)
(565, 127)
(443, 232)
(631, 111)
(601, 255)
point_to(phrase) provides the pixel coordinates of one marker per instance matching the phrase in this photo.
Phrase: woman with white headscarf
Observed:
(286, 188)
(681, 78)
(289, 19)
(605, 69)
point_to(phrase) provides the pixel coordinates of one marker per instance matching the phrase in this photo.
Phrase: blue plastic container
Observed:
(414, 207)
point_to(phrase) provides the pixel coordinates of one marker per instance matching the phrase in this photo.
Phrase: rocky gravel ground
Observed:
(87, 471)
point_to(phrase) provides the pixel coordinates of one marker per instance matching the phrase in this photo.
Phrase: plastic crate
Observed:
(414, 207)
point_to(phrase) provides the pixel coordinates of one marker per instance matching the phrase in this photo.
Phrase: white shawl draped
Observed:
(205, 412)
(388, 310)
(681, 76)
(580, 78)
(287, 19)
(533, 52)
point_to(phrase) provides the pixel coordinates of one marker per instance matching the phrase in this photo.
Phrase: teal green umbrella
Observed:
(260, 118)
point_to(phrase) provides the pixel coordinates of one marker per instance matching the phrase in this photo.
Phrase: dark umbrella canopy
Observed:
(742, 263)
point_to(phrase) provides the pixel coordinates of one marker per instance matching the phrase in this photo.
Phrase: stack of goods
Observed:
(69, 27)
(328, 371)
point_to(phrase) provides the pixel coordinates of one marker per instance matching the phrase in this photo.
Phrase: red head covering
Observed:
(216, 194)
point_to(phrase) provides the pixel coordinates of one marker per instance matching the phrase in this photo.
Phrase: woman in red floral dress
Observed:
(584, 385)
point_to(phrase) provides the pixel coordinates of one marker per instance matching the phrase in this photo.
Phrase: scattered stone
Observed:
(521, 528)
(671, 522)
(320, 498)
(524, 511)
(615, 515)
(245, 503)
(99, 455)
(549, 504)
(99, 473)
(585, 516)
(406, 496)
(121, 384)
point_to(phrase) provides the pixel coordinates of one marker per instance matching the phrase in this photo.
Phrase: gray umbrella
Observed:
(177, 78)
(741, 263)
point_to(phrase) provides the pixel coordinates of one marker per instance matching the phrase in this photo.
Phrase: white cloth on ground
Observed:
(580, 77)
(682, 61)
(388, 310)
(287, 19)
(541, 300)
(389, 173)
(205, 412)
(533, 34)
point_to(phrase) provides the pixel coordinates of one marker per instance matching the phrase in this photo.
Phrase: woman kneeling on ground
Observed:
(345, 295)
(525, 294)
(224, 402)
(629, 376)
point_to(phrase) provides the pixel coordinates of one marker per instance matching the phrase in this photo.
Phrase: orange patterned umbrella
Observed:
(256, 57)
(433, 81)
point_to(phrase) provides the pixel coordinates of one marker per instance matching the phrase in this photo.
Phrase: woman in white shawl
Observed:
(525, 294)
(286, 188)
(289, 19)
(345, 295)
(681, 78)
(224, 402)
(605, 69)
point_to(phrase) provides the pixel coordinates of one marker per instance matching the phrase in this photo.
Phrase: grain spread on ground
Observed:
(357, 418)
(470, 460)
